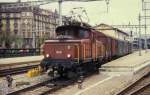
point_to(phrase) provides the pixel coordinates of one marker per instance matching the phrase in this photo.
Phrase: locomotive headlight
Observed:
(47, 55)
(68, 55)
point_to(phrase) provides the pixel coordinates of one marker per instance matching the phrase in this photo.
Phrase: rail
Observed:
(136, 87)
(46, 87)
(7, 53)
(17, 70)
(140, 89)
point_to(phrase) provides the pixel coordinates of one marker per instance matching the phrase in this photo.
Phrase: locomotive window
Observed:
(83, 34)
(65, 32)
(73, 32)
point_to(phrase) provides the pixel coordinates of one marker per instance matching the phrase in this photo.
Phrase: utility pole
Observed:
(19, 1)
(107, 3)
(145, 15)
(60, 12)
(131, 37)
(145, 33)
(140, 35)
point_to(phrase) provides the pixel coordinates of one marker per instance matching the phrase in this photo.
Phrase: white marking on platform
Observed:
(80, 92)
(142, 66)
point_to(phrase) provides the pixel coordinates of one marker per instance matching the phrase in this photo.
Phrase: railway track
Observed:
(47, 87)
(143, 90)
(140, 87)
(17, 70)
(30, 88)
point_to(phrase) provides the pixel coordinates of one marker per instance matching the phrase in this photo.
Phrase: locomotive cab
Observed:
(72, 32)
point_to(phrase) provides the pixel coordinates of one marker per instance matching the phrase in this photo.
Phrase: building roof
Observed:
(112, 32)
(103, 26)
(11, 7)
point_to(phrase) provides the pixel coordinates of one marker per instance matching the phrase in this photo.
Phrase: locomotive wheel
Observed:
(71, 74)
(51, 73)
(79, 71)
(61, 70)
(67, 74)
(44, 64)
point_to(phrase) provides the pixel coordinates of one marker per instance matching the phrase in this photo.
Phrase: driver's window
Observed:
(83, 34)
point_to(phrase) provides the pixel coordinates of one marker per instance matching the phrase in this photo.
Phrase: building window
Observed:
(3, 15)
(9, 5)
(8, 23)
(29, 34)
(28, 30)
(23, 14)
(8, 29)
(7, 15)
(12, 15)
(15, 15)
(15, 31)
(23, 29)
(15, 23)
(23, 34)
(0, 16)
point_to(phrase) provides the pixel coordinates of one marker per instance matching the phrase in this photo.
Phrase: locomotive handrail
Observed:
(78, 53)
(84, 51)
(96, 50)
(64, 37)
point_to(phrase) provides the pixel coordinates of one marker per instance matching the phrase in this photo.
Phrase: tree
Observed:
(40, 40)
(7, 38)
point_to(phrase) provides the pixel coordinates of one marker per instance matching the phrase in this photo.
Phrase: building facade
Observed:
(30, 23)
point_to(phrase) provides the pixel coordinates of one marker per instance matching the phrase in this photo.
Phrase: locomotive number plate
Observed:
(58, 52)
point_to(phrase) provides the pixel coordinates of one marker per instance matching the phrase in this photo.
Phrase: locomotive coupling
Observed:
(34, 72)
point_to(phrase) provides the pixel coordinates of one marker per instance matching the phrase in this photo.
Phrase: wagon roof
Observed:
(111, 32)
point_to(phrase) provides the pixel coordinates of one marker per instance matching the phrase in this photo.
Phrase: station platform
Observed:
(28, 60)
(127, 63)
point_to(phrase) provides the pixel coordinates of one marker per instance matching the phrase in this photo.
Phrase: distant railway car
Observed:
(78, 47)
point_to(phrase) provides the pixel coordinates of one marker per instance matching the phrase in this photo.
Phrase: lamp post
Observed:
(34, 40)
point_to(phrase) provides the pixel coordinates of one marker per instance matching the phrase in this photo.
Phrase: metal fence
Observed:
(7, 53)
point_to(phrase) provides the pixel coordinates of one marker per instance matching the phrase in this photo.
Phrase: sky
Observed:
(119, 11)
